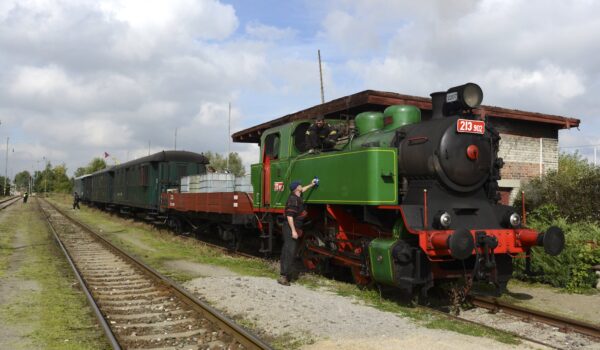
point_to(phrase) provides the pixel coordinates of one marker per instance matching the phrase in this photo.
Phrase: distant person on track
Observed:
(76, 200)
(320, 135)
(292, 229)
(25, 196)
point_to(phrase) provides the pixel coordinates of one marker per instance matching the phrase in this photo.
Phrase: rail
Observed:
(563, 323)
(243, 336)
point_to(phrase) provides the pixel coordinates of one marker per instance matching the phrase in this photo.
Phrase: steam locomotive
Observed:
(402, 202)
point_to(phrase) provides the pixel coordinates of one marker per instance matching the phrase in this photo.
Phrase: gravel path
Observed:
(321, 319)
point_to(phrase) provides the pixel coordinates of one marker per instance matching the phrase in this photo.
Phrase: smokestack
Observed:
(437, 104)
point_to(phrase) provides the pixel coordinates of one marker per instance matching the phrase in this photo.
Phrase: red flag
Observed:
(106, 155)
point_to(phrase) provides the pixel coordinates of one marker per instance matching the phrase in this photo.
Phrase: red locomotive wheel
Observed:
(359, 278)
(311, 260)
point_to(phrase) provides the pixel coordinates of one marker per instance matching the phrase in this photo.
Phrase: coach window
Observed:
(272, 145)
(181, 171)
(144, 175)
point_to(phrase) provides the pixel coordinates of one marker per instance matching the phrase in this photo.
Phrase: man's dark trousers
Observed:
(288, 251)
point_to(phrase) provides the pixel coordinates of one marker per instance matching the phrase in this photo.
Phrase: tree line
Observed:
(55, 179)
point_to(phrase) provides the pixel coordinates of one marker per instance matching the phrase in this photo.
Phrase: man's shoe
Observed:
(283, 281)
(311, 151)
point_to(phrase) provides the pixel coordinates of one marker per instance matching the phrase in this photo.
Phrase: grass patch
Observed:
(7, 232)
(56, 313)
(164, 246)
(471, 329)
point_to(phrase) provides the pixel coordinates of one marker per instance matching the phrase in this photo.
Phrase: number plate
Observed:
(470, 126)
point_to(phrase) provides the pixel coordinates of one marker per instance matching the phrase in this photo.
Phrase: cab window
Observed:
(272, 146)
(299, 137)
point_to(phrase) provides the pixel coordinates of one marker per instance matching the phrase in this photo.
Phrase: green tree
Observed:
(61, 182)
(44, 179)
(574, 188)
(93, 166)
(22, 181)
(4, 191)
(53, 179)
(219, 163)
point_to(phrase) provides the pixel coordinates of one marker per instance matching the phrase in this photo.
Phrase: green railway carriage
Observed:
(82, 186)
(139, 183)
(101, 186)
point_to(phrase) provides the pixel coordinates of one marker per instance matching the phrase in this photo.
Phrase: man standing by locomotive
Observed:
(320, 135)
(292, 229)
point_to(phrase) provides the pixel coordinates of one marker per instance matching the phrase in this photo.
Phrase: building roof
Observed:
(369, 100)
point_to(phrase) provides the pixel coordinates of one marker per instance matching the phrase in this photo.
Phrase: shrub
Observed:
(574, 188)
(572, 268)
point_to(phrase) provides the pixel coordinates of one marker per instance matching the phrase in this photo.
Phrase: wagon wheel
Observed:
(236, 244)
(359, 278)
(312, 261)
(176, 225)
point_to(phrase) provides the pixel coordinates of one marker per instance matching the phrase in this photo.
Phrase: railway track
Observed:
(564, 324)
(584, 335)
(136, 306)
(7, 202)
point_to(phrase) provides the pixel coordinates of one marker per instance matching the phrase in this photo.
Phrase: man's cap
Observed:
(294, 185)
(320, 117)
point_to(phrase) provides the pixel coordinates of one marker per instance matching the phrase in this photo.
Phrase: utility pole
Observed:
(228, 136)
(175, 148)
(6, 192)
(45, 177)
(595, 149)
(321, 77)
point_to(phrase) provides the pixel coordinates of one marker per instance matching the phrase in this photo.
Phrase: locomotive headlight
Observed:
(472, 95)
(463, 97)
(515, 220)
(443, 219)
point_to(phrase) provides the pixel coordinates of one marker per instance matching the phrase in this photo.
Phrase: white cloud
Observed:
(265, 32)
(208, 19)
(84, 76)
(548, 84)
(52, 87)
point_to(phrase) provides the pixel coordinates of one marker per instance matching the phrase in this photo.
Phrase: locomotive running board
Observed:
(342, 259)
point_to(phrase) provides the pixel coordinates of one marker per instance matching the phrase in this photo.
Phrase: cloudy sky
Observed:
(84, 77)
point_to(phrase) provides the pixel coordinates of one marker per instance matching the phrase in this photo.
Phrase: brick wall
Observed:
(521, 156)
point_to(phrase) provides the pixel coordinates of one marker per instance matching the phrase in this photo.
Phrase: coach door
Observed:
(270, 154)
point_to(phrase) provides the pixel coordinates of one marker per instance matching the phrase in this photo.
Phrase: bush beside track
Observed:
(570, 199)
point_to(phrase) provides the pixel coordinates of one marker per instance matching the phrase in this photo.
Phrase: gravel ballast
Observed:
(324, 320)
